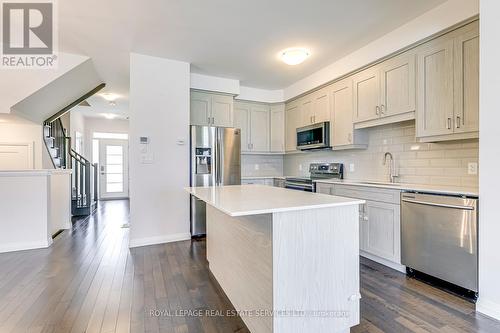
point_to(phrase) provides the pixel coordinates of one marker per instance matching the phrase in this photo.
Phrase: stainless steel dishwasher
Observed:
(439, 237)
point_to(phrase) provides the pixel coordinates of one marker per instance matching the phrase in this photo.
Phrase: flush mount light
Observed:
(110, 97)
(294, 55)
(109, 116)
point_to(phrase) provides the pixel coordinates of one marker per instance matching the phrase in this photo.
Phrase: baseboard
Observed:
(385, 262)
(24, 246)
(488, 308)
(159, 239)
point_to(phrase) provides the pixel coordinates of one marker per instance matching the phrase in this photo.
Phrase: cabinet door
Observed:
(222, 110)
(200, 108)
(292, 121)
(367, 94)
(259, 128)
(321, 105)
(341, 100)
(467, 81)
(382, 230)
(435, 88)
(278, 128)
(324, 188)
(398, 85)
(242, 120)
(306, 111)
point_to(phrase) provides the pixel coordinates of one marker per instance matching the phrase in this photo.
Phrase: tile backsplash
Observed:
(444, 163)
(261, 165)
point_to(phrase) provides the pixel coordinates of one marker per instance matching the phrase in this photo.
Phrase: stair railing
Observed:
(84, 182)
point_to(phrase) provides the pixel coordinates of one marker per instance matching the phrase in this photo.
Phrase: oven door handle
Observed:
(300, 188)
(298, 184)
(438, 204)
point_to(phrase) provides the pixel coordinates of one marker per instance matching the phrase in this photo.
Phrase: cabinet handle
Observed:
(377, 109)
(449, 123)
(458, 121)
(213, 120)
(382, 108)
(209, 120)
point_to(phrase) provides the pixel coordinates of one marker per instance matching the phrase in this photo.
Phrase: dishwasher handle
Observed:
(418, 202)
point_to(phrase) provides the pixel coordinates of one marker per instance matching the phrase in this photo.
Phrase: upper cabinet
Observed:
(448, 86)
(209, 109)
(315, 107)
(385, 93)
(254, 121)
(293, 120)
(277, 128)
(366, 95)
(342, 133)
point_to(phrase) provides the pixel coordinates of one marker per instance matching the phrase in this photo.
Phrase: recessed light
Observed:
(294, 55)
(109, 96)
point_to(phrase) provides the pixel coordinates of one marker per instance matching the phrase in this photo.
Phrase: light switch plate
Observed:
(351, 167)
(472, 168)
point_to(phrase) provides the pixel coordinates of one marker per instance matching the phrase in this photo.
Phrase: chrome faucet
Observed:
(392, 166)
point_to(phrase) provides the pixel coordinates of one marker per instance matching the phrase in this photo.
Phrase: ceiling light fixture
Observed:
(294, 55)
(109, 116)
(109, 96)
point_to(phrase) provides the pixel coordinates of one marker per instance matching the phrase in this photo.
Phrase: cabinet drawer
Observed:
(368, 193)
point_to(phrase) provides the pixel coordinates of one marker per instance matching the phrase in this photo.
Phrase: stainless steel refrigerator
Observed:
(215, 161)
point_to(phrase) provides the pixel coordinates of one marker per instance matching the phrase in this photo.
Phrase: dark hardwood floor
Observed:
(89, 281)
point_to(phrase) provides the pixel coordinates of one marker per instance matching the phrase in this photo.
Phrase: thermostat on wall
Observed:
(143, 140)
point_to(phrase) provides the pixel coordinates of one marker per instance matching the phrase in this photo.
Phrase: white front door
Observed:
(113, 169)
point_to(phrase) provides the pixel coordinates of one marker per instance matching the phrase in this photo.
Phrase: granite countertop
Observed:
(243, 200)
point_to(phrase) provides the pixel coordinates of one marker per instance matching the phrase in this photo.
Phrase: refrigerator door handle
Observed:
(217, 157)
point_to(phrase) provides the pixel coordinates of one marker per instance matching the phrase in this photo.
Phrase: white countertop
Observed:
(242, 200)
(262, 177)
(33, 172)
(440, 189)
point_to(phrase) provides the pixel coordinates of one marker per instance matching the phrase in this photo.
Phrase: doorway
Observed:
(111, 154)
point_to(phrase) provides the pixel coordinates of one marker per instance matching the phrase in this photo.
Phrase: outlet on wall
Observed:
(351, 167)
(256, 167)
(472, 168)
(300, 167)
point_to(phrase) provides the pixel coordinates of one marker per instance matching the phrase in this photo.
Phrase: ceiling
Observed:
(227, 38)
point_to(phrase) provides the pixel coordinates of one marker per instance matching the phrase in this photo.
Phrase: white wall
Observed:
(15, 85)
(17, 130)
(489, 157)
(214, 83)
(159, 109)
(94, 124)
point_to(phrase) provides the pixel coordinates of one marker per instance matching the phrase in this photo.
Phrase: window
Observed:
(114, 169)
(104, 135)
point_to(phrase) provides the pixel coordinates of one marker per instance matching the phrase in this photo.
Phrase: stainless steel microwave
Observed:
(314, 136)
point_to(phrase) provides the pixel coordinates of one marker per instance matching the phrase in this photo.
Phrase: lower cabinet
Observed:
(379, 221)
(380, 230)
(259, 181)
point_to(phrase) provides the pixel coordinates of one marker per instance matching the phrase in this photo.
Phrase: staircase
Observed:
(84, 179)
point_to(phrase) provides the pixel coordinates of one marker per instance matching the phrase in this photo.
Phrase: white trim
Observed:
(25, 246)
(159, 239)
(385, 262)
(488, 308)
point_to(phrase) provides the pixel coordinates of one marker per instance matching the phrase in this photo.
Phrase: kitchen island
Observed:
(287, 260)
